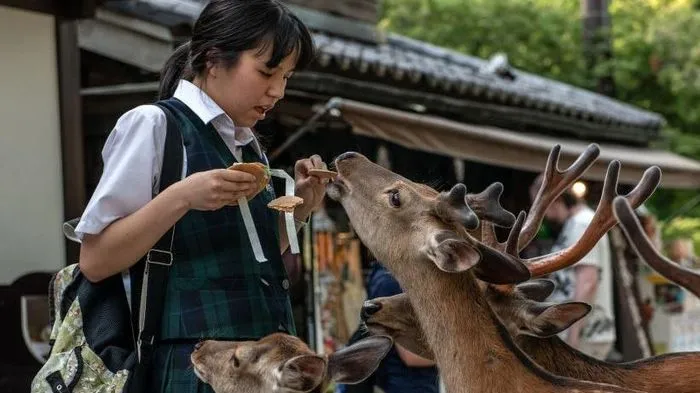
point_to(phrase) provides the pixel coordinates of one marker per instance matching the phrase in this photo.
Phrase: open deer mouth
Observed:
(337, 187)
(194, 360)
(199, 373)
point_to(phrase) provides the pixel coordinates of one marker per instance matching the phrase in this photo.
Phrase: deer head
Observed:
(393, 316)
(521, 310)
(283, 363)
(405, 221)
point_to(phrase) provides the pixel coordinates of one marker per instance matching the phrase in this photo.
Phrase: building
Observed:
(433, 114)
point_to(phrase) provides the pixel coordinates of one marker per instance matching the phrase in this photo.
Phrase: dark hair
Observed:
(226, 28)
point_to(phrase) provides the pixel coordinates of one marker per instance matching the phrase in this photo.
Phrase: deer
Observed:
(423, 238)
(282, 363)
(534, 324)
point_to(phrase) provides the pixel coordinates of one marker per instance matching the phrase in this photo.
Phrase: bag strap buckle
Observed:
(159, 257)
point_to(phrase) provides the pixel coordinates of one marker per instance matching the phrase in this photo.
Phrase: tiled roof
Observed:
(451, 73)
(402, 58)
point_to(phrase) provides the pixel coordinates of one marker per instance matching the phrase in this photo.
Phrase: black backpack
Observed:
(94, 340)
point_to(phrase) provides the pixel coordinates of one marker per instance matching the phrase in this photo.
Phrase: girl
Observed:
(218, 85)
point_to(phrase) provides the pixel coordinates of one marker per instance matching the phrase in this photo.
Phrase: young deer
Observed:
(422, 238)
(280, 363)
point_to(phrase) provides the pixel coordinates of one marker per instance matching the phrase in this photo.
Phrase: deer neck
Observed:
(473, 351)
(559, 358)
(658, 374)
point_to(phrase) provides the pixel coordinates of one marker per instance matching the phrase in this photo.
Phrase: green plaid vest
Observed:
(216, 288)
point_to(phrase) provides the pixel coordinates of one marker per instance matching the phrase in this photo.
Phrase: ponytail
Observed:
(177, 67)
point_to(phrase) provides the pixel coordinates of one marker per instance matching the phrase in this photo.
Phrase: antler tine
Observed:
(487, 206)
(646, 187)
(602, 221)
(554, 183)
(453, 204)
(488, 236)
(514, 235)
(640, 242)
(505, 253)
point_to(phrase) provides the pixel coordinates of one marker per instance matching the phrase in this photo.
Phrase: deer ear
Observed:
(537, 290)
(551, 319)
(499, 268)
(450, 253)
(356, 362)
(303, 373)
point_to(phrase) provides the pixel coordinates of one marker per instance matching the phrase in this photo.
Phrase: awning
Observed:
(496, 146)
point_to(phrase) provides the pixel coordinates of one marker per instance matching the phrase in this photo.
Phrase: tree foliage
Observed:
(655, 64)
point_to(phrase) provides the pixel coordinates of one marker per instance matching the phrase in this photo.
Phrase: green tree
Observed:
(656, 54)
(539, 36)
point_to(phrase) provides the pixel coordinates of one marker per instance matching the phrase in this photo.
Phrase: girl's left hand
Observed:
(310, 188)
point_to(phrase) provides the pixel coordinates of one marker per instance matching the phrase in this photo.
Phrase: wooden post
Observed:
(635, 341)
(597, 41)
(70, 104)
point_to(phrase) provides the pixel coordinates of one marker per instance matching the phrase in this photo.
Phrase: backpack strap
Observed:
(159, 258)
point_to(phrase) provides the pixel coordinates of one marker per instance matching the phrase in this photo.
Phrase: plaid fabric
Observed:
(216, 288)
(177, 374)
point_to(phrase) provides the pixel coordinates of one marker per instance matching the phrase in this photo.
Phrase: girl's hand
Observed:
(214, 189)
(310, 188)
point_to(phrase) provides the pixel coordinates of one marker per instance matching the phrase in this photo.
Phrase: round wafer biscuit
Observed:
(257, 169)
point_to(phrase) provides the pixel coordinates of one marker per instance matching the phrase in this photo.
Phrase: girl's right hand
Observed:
(214, 189)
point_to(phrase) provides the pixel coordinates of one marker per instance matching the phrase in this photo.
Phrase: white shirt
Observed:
(133, 155)
(599, 323)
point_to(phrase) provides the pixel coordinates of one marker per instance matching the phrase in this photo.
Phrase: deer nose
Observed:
(347, 155)
(369, 308)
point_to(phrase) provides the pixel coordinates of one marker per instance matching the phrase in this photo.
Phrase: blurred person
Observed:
(401, 371)
(589, 280)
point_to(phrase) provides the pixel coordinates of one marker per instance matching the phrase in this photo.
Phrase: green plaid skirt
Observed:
(173, 371)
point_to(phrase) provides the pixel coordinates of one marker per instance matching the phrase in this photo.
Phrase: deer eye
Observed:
(394, 198)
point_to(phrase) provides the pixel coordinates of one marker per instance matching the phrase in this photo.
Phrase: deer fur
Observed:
(281, 363)
(433, 258)
(534, 326)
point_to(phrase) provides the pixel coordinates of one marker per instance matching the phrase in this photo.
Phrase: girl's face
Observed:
(249, 89)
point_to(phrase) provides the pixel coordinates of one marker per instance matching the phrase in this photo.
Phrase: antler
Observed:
(644, 248)
(602, 221)
(554, 183)
(452, 206)
(503, 253)
(487, 206)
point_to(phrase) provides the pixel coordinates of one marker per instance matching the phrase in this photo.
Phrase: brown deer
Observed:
(534, 324)
(422, 238)
(281, 363)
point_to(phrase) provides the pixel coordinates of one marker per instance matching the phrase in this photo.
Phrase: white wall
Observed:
(31, 190)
